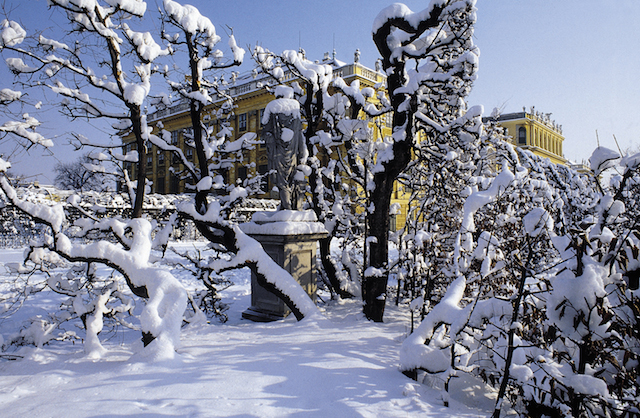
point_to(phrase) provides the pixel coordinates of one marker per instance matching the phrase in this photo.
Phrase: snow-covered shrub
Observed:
(543, 306)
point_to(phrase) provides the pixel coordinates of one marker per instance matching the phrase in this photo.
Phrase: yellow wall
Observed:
(542, 136)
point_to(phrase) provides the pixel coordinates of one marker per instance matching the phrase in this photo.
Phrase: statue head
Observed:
(283, 92)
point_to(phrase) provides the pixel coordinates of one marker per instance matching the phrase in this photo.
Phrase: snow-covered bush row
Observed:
(17, 229)
(539, 264)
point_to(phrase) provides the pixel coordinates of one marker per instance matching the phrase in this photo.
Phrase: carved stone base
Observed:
(291, 241)
(258, 315)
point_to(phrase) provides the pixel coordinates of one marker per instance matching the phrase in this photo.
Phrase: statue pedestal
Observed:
(290, 238)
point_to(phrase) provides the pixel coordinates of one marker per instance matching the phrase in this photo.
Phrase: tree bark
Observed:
(511, 334)
(374, 286)
(141, 166)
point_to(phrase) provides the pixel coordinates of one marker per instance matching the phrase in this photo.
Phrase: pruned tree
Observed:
(119, 94)
(430, 62)
(214, 200)
(124, 76)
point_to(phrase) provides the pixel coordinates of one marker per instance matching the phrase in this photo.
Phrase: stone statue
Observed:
(286, 148)
(356, 56)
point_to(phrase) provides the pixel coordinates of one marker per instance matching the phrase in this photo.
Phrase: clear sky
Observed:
(576, 59)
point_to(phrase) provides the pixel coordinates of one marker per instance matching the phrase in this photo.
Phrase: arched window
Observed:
(522, 135)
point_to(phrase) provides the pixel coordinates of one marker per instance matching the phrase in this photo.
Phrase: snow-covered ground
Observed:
(342, 367)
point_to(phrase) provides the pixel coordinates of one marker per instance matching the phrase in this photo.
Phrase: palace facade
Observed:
(535, 131)
(529, 130)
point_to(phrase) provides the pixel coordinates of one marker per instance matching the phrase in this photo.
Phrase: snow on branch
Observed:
(249, 252)
(161, 318)
(146, 48)
(360, 97)
(162, 142)
(26, 130)
(135, 7)
(238, 53)
(49, 215)
(12, 33)
(398, 32)
(189, 19)
(8, 96)
(51, 44)
(603, 159)
(17, 66)
(416, 351)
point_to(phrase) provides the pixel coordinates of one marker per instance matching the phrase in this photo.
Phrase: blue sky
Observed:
(578, 60)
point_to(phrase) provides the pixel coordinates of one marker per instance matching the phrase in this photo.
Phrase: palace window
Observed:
(522, 136)
(388, 119)
(263, 169)
(242, 173)
(242, 122)
(175, 136)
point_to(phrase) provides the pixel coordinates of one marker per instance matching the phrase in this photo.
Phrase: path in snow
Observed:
(343, 367)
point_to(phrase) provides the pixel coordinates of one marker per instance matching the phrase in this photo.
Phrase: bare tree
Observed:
(78, 175)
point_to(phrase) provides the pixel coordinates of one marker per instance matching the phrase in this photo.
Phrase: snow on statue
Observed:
(286, 149)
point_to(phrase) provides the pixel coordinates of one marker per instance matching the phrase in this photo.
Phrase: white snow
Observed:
(631, 161)
(136, 93)
(53, 44)
(415, 351)
(190, 19)
(536, 221)
(262, 217)
(12, 33)
(147, 48)
(289, 107)
(18, 66)
(345, 368)
(8, 95)
(26, 129)
(587, 385)
(480, 198)
(289, 224)
(205, 183)
(602, 159)
(238, 53)
(135, 7)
